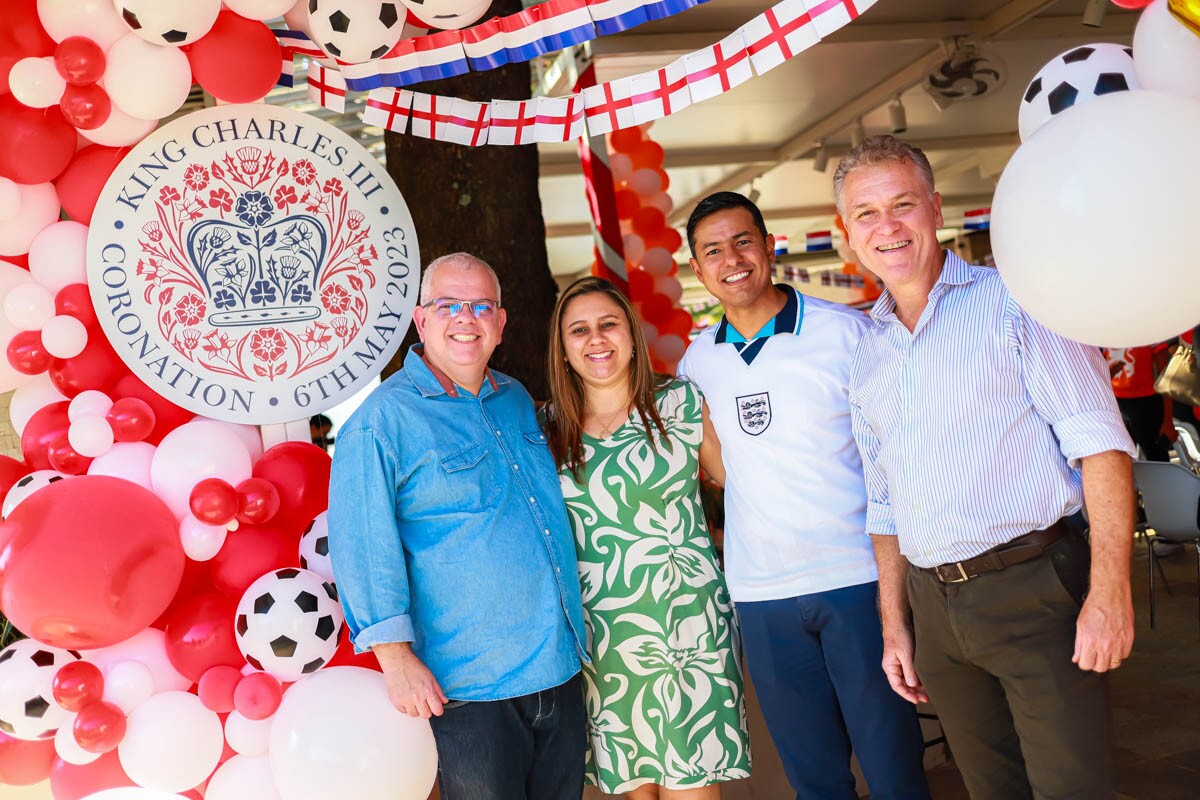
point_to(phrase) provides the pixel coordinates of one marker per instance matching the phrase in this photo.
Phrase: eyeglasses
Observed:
(449, 308)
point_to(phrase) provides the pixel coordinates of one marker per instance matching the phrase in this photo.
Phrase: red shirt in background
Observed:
(1132, 369)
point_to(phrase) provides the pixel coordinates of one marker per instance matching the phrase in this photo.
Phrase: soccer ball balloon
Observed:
(314, 547)
(1075, 77)
(288, 623)
(169, 23)
(27, 707)
(448, 15)
(354, 31)
(27, 486)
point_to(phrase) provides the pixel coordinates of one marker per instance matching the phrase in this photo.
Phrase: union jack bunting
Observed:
(660, 93)
(717, 69)
(450, 119)
(388, 108)
(326, 87)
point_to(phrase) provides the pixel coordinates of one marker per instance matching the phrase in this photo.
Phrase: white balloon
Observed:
(336, 734)
(63, 336)
(669, 286)
(26, 486)
(172, 742)
(201, 541)
(29, 306)
(657, 261)
(646, 182)
(260, 9)
(58, 255)
(1107, 271)
(1072, 78)
(448, 14)
(289, 605)
(192, 452)
(67, 748)
(134, 793)
(12, 276)
(635, 247)
(31, 398)
(94, 19)
(90, 403)
(148, 647)
(128, 684)
(314, 547)
(90, 436)
(38, 208)
(120, 130)
(27, 670)
(169, 24)
(649, 332)
(1166, 53)
(373, 29)
(621, 166)
(242, 778)
(128, 460)
(662, 201)
(249, 434)
(10, 198)
(670, 348)
(35, 82)
(146, 81)
(248, 737)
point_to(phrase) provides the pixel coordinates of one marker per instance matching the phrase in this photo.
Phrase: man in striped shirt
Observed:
(982, 435)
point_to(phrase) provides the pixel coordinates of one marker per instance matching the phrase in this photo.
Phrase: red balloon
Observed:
(99, 727)
(46, 425)
(24, 763)
(36, 144)
(11, 471)
(21, 36)
(648, 222)
(249, 553)
(167, 415)
(196, 579)
(625, 140)
(679, 323)
(669, 240)
(86, 107)
(345, 656)
(214, 501)
(65, 458)
(647, 155)
(26, 353)
(131, 419)
(88, 562)
(200, 635)
(257, 696)
(78, 684)
(258, 501)
(237, 60)
(79, 60)
(1131, 3)
(80, 183)
(217, 687)
(641, 283)
(76, 301)
(73, 782)
(300, 471)
(657, 308)
(97, 367)
(628, 203)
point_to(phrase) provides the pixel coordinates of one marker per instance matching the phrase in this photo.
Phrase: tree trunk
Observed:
(484, 201)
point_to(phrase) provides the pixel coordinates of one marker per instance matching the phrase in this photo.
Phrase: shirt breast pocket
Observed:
(470, 478)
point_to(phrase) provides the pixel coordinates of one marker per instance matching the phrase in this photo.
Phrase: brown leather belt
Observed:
(1021, 549)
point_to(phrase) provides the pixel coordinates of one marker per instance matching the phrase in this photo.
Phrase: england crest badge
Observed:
(754, 412)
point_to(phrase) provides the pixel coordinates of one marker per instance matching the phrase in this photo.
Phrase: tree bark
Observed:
(484, 201)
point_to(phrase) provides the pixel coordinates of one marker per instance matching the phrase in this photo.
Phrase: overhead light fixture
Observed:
(754, 193)
(821, 157)
(898, 116)
(857, 133)
(1093, 13)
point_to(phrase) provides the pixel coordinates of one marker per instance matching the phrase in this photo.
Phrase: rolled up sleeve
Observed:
(879, 508)
(364, 541)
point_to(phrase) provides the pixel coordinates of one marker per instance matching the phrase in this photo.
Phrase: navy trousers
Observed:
(815, 662)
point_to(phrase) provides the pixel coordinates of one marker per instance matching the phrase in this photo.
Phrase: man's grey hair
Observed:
(876, 150)
(461, 261)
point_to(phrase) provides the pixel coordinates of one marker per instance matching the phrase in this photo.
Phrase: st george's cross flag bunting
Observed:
(609, 106)
(540, 119)
(326, 87)
(388, 108)
(779, 33)
(717, 69)
(450, 119)
(660, 93)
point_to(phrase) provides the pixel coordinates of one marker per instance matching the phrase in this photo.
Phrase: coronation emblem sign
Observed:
(253, 264)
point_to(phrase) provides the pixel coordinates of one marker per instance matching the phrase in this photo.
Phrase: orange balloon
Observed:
(648, 222)
(641, 284)
(627, 203)
(648, 155)
(625, 141)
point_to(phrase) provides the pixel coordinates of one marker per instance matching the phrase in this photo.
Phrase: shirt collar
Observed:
(788, 320)
(430, 380)
(955, 272)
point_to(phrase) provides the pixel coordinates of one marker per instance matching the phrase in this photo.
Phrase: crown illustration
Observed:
(258, 267)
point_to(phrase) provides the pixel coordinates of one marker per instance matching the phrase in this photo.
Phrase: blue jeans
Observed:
(526, 748)
(815, 661)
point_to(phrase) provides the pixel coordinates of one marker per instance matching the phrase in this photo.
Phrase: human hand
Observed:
(1104, 630)
(898, 664)
(411, 686)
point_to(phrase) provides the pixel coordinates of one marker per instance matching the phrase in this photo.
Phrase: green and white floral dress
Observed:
(664, 690)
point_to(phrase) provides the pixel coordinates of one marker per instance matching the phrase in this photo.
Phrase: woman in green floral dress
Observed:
(666, 714)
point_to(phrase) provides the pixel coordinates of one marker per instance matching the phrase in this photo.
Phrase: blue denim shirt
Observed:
(448, 530)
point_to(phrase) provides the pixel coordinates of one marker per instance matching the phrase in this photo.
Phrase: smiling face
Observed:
(461, 345)
(892, 216)
(597, 340)
(733, 258)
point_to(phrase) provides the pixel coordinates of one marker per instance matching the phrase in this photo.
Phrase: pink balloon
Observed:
(257, 696)
(217, 688)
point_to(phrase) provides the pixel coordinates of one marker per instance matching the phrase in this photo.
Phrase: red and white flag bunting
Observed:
(326, 87)
(778, 34)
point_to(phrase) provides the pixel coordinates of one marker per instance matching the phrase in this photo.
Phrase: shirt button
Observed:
(532, 501)
(497, 433)
(547, 531)
(515, 467)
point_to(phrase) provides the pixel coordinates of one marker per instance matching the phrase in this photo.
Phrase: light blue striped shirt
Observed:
(972, 426)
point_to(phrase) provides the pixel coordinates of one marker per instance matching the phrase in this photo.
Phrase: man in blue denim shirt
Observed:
(454, 557)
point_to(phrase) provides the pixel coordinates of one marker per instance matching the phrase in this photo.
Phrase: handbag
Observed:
(1180, 379)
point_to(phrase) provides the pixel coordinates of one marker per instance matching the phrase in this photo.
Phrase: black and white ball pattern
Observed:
(27, 707)
(288, 623)
(314, 547)
(355, 30)
(26, 486)
(1076, 76)
(169, 23)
